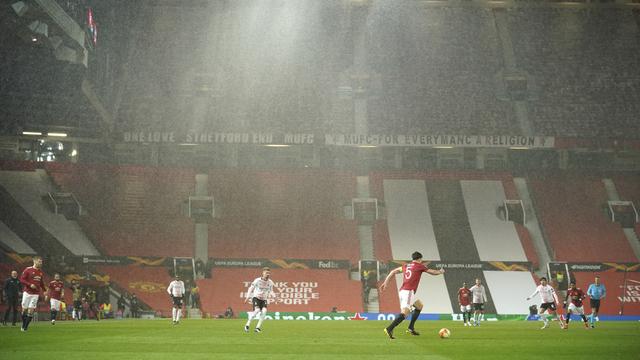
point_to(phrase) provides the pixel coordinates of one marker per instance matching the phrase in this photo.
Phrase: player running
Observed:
(176, 291)
(575, 306)
(479, 298)
(260, 290)
(596, 292)
(464, 300)
(33, 284)
(55, 293)
(549, 301)
(412, 273)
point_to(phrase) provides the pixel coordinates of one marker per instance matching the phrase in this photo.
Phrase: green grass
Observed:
(224, 339)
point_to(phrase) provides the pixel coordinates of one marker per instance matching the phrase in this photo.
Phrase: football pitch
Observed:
(225, 339)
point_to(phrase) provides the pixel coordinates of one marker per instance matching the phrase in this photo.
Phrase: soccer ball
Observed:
(444, 333)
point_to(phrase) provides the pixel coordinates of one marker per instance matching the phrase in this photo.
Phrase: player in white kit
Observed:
(479, 298)
(176, 291)
(260, 290)
(549, 301)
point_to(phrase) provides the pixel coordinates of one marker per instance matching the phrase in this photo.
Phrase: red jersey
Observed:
(464, 296)
(576, 296)
(411, 274)
(55, 289)
(32, 276)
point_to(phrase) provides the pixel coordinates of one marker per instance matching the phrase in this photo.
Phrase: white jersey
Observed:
(260, 289)
(176, 288)
(479, 294)
(547, 294)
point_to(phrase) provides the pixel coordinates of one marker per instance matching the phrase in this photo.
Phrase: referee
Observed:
(596, 292)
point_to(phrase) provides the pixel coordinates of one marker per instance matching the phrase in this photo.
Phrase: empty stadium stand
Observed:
(149, 283)
(587, 88)
(427, 83)
(570, 208)
(495, 239)
(24, 191)
(296, 290)
(133, 210)
(292, 214)
(10, 241)
(22, 227)
(409, 219)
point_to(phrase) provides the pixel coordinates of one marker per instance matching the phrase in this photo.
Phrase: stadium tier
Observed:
(297, 290)
(289, 214)
(571, 211)
(587, 81)
(426, 83)
(423, 208)
(451, 217)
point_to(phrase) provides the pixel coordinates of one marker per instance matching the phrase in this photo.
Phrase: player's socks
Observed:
(400, 318)
(568, 318)
(54, 315)
(414, 317)
(173, 314)
(249, 317)
(178, 315)
(263, 314)
(28, 321)
(24, 319)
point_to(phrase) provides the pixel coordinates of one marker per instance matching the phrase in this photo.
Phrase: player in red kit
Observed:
(33, 284)
(412, 273)
(575, 306)
(55, 294)
(464, 300)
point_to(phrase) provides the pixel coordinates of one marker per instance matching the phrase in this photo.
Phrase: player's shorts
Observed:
(595, 304)
(548, 306)
(465, 308)
(77, 304)
(29, 301)
(407, 299)
(478, 306)
(177, 301)
(579, 310)
(55, 304)
(258, 303)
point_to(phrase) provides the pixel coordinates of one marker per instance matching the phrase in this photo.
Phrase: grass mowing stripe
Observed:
(224, 339)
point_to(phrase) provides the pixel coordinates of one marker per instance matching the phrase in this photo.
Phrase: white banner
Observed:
(421, 140)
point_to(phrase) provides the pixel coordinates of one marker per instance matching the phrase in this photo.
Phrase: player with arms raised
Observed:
(549, 301)
(412, 273)
(55, 293)
(575, 306)
(464, 300)
(33, 283)
(260, 290)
